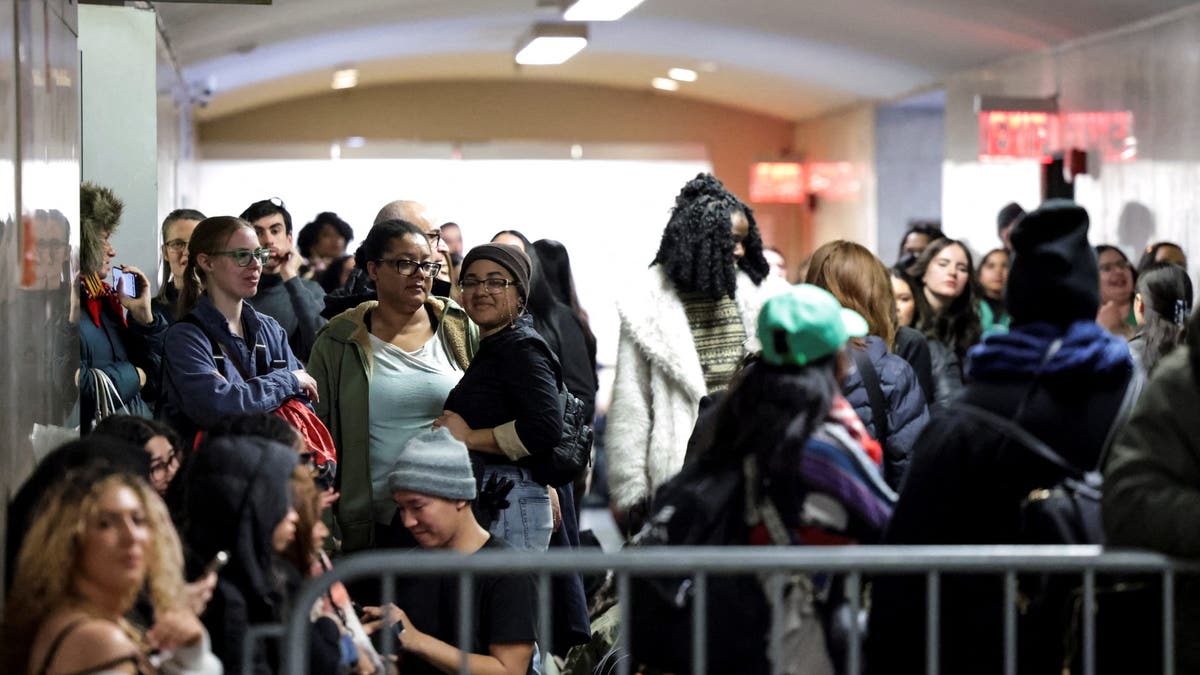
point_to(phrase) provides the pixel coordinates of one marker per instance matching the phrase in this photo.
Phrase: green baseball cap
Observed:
(805, 324)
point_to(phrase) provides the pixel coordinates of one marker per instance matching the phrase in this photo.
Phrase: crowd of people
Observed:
(281, 403)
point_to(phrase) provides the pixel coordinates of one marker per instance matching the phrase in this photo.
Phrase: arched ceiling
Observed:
(789, 58)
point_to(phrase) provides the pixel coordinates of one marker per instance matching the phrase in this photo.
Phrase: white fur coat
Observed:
(659, 383)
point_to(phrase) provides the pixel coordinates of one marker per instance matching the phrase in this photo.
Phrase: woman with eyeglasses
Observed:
(1117, 278)
(223, 358)
(177, 230)
(383, 370)
(506, 407)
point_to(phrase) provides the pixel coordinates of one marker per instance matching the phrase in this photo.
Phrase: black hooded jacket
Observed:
(237, 493)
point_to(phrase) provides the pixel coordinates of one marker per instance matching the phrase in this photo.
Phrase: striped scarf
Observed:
(719, 335)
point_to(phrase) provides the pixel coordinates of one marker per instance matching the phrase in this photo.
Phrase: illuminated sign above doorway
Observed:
(1011, 134)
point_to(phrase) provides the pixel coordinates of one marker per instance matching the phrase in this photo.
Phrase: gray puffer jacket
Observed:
(907, 413)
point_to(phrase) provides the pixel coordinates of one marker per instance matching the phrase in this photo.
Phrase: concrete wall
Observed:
(846, 136)
(120, 122)
(908, 170)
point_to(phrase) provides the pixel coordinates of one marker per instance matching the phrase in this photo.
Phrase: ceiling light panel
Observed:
(599, 10)
(682, 74)
(664, 83)
(345, 78)
(550, 44)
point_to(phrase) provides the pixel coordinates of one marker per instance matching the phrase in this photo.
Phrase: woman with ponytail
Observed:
(222, 357)
(1162, 305)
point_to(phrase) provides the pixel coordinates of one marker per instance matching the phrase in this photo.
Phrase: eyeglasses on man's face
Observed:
(243, 256)
(434, 237)
(493, 286)
(177, 245)
(407, 268)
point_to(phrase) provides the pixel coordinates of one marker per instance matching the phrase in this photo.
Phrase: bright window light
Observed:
(682, 74)
(664, 83)
(345, 78)
(599, 10)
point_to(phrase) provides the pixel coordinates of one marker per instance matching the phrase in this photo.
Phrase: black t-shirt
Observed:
(504, 605)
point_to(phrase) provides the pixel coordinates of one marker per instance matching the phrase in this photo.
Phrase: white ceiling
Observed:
(790, 58)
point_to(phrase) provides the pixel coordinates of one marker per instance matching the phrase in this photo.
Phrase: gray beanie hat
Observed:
(509, 257)
(434, 463)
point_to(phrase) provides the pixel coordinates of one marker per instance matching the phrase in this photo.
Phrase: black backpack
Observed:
(701, 506)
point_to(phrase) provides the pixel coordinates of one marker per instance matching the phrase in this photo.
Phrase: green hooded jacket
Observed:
(341, 362)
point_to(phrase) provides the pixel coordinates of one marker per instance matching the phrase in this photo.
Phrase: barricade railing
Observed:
(700, 563)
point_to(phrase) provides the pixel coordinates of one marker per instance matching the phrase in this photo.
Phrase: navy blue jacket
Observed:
(197, 395)
(907, 413)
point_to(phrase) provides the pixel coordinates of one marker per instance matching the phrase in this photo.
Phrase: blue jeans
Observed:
(527, 522)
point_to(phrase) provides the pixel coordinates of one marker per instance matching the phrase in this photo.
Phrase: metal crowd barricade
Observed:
(703, 563)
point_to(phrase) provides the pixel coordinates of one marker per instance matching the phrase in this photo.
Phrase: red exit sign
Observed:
(1005, 134)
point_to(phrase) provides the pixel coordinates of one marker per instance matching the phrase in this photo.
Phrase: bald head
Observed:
(403, 209)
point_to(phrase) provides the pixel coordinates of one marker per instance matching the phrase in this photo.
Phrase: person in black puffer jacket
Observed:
(1062, 378)
(860, 282)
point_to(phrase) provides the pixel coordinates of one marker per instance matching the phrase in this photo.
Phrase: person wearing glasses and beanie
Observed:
(506, 407)
(258, 371)
(383, 371)
(285, 296)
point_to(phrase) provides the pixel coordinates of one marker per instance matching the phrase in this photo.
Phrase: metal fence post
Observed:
(933, 622)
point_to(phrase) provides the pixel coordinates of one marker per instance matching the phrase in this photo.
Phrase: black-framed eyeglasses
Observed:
(493, 286)
(407, 268)
(243, 256)
(161, 466)
(177, 245)
(434, 237)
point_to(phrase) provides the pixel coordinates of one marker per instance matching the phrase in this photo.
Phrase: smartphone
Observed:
(126, 282)
(219, 560)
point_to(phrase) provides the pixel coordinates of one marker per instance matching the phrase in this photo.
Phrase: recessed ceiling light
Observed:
(682, 74)
(599, 10)
(549, 44)
(345, 78)
(664, 83)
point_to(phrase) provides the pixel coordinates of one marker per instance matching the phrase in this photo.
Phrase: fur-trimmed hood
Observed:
(100, 212)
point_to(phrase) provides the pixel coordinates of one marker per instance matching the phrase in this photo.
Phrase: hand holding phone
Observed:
(125, 282)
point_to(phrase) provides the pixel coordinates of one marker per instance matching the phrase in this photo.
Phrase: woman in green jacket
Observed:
(383, 370)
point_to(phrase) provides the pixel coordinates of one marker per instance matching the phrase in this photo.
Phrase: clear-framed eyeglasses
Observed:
(243, 256)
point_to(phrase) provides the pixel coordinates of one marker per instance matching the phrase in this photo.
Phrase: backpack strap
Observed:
(218, 354)
(1133, 391)
(1019, 434)
(870, 378)
(262, 361)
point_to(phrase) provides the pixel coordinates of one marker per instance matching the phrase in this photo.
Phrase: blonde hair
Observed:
(49, 559)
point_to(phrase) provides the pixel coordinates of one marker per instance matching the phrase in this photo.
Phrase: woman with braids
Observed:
(257, 371)
(683, 335)
(946, 312)
(100, 538)
(1162, 305)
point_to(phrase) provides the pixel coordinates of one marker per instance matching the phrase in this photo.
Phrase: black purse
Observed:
(567, 460)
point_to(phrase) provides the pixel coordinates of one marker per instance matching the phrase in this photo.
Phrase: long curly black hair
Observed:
(696, 250)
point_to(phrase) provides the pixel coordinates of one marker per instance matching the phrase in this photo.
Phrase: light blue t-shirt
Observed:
(408, 391)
